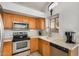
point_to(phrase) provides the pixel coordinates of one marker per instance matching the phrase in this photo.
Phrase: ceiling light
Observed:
(52, 5)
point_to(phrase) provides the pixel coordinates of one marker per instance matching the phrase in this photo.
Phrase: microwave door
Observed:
(20, 26)
(1, 31)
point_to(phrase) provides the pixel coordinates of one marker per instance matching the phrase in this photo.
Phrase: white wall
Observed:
(21, 9)
(68, 16)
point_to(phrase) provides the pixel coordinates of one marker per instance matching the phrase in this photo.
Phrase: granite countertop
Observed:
(60, 42)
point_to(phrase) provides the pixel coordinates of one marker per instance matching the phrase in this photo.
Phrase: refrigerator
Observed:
(1, 31)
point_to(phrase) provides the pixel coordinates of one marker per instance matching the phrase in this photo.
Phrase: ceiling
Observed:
(40, 6)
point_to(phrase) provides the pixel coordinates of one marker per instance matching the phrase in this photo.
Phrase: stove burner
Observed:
(20, 37)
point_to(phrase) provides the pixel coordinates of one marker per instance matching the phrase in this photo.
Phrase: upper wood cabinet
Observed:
(25, 19)
(37, 23)
(40, 23)
(7, 20)
(32, 23)
(17, 18)
(20, 18)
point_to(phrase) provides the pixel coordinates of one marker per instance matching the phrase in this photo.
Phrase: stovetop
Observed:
(20, 38)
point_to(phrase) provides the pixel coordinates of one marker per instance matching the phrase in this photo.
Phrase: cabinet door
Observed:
(45, 48)
(7, 20)
(7, 48)
(17, 18)
(40, 23)
(40, 46)
(34, 44)
(20, 18)
(25, 19)
(32, 23)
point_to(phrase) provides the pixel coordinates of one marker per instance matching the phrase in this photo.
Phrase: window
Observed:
(55, 23)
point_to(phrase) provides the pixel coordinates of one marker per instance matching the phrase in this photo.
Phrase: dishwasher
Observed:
(58, 50)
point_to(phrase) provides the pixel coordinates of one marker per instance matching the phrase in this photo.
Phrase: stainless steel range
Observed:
(21, 44)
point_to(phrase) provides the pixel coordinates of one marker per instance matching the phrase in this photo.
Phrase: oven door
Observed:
(20, 46)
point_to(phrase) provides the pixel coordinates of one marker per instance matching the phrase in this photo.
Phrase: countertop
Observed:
(60, 42)
(7, 39)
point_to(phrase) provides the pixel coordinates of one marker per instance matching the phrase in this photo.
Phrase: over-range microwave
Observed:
(20, 26)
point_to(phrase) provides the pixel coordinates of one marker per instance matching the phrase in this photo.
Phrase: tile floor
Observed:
(35, 54)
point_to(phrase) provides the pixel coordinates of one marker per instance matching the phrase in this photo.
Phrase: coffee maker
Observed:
(70, 37)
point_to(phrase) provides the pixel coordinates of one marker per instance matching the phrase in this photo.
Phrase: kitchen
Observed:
(26, 34)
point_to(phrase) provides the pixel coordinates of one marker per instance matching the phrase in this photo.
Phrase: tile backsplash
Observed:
(9, 33)
(32, 33)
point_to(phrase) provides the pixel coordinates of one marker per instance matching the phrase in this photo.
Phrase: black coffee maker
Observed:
(70, 37)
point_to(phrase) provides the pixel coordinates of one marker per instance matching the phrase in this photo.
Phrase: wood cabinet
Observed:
(32, 23)
(37, 23)
(7, 20)
(17, 18)
(25, 19)
(33, 44)
(40, 46)
(7, 48)
(44, 48)
(40, 23)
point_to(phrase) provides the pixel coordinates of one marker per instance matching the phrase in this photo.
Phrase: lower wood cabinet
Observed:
(33, 44)
(41, 46)
(7, 48)
(44, 47)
